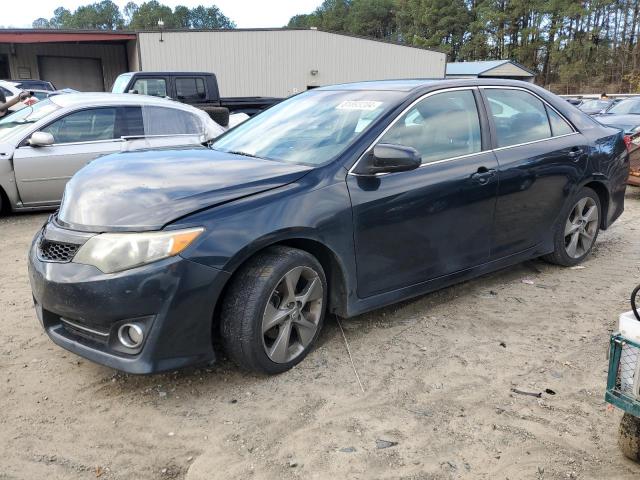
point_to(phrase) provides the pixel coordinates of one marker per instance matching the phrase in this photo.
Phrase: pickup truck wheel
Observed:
(629, 437)
(576, 230)
(274, 309)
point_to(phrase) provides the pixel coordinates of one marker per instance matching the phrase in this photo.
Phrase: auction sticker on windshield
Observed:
(358, 105)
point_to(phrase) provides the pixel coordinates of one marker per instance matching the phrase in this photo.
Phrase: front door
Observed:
(541, 158)
(410, 227)
(79, 137)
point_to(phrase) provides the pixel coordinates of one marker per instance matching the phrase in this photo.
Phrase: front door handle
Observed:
(483, 175)
(575, 153)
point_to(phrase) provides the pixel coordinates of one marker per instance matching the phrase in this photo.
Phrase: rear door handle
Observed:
(483, 175)
(575, 153)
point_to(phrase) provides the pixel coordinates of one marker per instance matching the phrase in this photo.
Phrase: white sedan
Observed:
(43, 145)
(11, 90)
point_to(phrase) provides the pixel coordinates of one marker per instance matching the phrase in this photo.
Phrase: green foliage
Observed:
(106, 15)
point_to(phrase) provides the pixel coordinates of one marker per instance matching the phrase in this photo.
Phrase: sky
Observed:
(246, 13)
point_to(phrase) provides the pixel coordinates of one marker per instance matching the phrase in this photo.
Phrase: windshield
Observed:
(21, 120)
(626, 106)
(311, 128)
(594, 105)
(121, 83)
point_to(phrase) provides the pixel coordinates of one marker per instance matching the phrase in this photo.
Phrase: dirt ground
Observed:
(437, 374)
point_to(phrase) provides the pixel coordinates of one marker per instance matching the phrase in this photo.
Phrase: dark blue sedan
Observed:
(339, 200)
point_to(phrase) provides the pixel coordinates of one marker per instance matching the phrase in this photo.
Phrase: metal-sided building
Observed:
(490, 69)
(268, 62)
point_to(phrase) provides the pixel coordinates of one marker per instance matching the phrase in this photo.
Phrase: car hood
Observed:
(146, 190)
(624, 122)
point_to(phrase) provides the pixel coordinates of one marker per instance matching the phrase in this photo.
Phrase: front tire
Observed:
(629, 437)
(273, 310)
(577, 229)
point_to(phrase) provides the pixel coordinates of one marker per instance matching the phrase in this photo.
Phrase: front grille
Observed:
(57, 251)
(89, 333)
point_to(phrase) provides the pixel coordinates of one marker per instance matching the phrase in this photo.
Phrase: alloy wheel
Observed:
(292, 314)
(581, 227)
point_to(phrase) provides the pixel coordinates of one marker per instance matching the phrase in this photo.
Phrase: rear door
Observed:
(541, 157)
(410, 227)
(79, 137)
(191, 89)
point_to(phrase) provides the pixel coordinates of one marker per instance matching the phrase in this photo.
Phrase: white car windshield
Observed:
(311, 128)
(22, 119)
(626, 106)
(121, 83)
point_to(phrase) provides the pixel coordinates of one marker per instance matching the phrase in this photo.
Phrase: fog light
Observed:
(131, 335)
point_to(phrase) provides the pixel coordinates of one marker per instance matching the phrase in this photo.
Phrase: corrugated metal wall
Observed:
(507, 70)
(25, 59)
(280, 62)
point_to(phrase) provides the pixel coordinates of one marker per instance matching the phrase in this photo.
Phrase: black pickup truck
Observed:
(199, 89)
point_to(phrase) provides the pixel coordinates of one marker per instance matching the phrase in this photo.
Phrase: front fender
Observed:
(238, 230)
(8, 182)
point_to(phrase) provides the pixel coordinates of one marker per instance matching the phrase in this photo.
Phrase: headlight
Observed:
(113, 252)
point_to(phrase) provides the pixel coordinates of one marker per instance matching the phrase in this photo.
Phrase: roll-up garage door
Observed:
(83, 74)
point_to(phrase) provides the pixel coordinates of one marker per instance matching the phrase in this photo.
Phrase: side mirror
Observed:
(135, 92)
(390, 158)
(41, 139)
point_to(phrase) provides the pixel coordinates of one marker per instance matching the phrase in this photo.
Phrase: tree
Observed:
(208, 18)
(303, 21)
(182, 16)
(41, 23)
(105, 15)
(129, 11)
(372, 18)
(146, 16)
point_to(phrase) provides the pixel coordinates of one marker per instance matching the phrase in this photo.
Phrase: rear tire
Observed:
(273, 310)
(576, 230)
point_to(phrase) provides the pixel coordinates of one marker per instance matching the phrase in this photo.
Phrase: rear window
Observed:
(191, 88)
(170, 121)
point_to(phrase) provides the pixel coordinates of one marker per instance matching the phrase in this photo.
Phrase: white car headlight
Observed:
(114, 252)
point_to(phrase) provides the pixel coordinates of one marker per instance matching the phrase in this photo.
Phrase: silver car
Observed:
(42, 146)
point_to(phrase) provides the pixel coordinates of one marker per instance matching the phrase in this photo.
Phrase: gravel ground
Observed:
(437, 375)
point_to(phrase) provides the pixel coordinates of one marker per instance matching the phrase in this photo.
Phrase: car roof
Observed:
(166, 73)
(410, 85)
(8, 84)
(105, 98)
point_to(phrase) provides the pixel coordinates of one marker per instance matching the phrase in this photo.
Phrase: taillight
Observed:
(627, 141)
(30, 101)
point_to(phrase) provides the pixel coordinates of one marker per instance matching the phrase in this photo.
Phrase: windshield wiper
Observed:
(244, 154)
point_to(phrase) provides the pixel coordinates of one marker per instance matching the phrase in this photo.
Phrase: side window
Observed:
(130, 123)
(559, 125)
(441, 126)
(84, 126)
(156, 87)
(190, 89)
(170, 121)
(519, 117)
